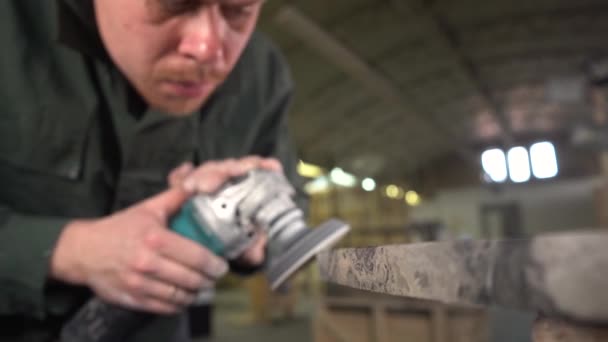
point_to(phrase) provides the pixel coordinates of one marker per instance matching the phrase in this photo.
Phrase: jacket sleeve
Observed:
(26, 244)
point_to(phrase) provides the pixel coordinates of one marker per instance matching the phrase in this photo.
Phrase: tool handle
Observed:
(98, 321)
(185, 224)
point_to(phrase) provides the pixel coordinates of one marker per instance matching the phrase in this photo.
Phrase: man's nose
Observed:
(202, 36)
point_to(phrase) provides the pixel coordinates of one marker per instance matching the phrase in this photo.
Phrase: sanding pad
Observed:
(307, 246)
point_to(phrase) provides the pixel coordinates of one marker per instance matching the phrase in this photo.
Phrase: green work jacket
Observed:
(75, 142)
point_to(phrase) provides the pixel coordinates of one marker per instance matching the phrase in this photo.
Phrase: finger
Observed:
(168, 293)
(212, 175)
(249, 163)
(188, 253)
(209, 177)
(139, 286)
(171, 272)
(245, 164)
(153, 305)
(272, 164)
(178, 174)
(139, 302)
(166, 203)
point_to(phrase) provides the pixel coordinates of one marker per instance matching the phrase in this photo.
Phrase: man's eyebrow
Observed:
(240, 2)
(195, 3)
(181, 3)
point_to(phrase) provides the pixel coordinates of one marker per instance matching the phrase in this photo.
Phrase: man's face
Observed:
(176, 52)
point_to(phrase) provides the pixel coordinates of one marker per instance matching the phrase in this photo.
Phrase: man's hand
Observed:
(132, 259)
(210, 176)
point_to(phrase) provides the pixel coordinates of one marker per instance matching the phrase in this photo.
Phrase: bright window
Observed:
(495, 165)
(544, 160)
(519, 164)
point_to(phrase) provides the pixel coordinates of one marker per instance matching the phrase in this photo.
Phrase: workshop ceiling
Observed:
(385, 87)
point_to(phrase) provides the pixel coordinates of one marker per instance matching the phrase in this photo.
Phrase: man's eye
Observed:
(237, 12)
(178, 6)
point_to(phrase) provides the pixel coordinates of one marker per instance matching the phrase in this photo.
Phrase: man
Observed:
(101, 101)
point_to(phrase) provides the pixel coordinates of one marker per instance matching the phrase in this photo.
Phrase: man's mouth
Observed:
(186, 89)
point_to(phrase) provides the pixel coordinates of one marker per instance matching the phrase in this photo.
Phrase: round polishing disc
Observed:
(316, 240)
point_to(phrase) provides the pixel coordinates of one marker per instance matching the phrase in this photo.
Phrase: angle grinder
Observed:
(226, 222)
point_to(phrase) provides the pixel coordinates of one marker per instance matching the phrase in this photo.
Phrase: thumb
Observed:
(167, 203)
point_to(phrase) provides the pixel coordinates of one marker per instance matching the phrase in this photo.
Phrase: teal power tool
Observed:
(226, 222)
(187, 225)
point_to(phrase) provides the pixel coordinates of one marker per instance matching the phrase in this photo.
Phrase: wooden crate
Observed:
(388, 319)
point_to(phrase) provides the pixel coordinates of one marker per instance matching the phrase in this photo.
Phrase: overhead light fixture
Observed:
(412, 198)
(309, 170)
(368, 184)
(342, 178)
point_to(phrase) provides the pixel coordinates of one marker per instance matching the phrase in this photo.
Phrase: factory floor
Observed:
(235, 322)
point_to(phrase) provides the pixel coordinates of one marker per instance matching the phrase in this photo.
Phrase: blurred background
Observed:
(423, 120)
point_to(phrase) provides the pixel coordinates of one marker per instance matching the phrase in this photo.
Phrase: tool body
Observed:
(226, 222)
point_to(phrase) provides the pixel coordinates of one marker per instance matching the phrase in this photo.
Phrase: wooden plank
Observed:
(556, 330)
(379, 318)
(325, 324)
(439, 323)
(409, 327)
(387, 303)
(372, 318)
(466, 327)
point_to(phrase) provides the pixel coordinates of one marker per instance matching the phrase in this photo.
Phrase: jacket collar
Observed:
(77, 28)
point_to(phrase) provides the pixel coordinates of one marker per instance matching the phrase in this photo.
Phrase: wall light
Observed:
(317, 186)
(412, 198)
(309, 170)
(368, 184)
(393, 191)
(339, 177)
